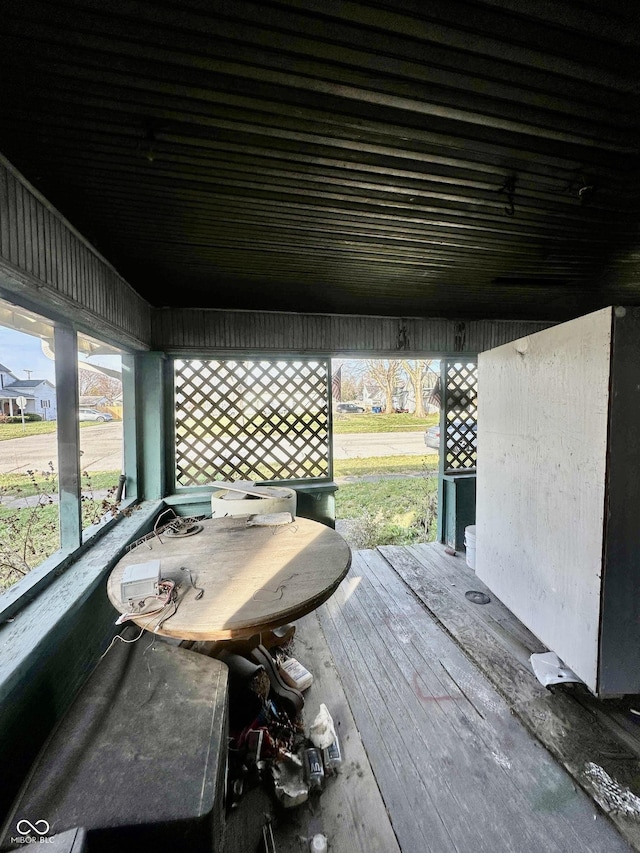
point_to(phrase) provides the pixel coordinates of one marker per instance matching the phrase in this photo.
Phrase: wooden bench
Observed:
(138, 761)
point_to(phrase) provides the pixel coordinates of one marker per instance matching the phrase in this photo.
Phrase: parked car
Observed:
(432, 437)
(463, 439)
(94, 415)
(349, 407)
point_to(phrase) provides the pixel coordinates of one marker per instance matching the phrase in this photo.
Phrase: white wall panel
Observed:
(542, 449)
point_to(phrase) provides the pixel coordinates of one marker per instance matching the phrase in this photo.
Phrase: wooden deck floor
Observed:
(597, 742)
(457, 769)
(451, 744)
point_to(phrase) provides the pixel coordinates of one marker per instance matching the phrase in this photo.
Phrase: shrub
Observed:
(17, 419)
(29, 532)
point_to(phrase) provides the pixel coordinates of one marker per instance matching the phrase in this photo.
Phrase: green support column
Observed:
(444, 365)
(330, 416)
(457, 485)
(68, 403)
(150, 399)
(130, 400)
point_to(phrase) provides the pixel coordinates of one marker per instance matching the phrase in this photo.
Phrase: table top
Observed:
(254, 578)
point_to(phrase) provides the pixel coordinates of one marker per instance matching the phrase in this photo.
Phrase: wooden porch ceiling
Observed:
(453, 158)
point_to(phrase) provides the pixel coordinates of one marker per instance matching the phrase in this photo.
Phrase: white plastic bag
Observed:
(322, 731)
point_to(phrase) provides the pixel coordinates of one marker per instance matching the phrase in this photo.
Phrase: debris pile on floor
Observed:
(269, 744)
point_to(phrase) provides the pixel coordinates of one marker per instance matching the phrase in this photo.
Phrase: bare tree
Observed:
(386, 374)
(98, 384)
(417, 371)
(352, 380)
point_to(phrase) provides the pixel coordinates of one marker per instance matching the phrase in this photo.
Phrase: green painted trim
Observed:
(68, 403)
(130, 398)
(53, 644)
(170, 426)
(151, 414)
(330, 414)
(27, 640)
(314, 500)
(329, 486)
(444, 363)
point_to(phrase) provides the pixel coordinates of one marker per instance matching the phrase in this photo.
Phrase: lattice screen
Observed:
(461, 415)
(251, 420)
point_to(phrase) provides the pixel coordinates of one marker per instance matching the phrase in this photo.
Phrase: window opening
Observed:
(29, 522)
(100, 412)
(386, 441)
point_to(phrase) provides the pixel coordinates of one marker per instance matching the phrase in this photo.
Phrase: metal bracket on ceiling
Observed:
(147, 146)
(509, 188)
(583, 187)
(402, 342)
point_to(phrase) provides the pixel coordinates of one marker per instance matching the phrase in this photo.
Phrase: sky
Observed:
(20, 352)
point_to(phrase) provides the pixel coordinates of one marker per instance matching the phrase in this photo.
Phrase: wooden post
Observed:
(68, 402)
(442, 452)
(152, 425)
(130, 401)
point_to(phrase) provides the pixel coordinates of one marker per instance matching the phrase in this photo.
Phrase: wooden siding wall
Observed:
(54, 269)
(202, 331)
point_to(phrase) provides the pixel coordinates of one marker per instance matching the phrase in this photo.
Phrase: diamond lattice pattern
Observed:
(461, 419)
(251, 420)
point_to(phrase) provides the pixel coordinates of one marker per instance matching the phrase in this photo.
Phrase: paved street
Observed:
(353, 445)
(102, 448)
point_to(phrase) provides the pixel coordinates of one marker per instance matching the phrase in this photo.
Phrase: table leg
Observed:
(269, 639)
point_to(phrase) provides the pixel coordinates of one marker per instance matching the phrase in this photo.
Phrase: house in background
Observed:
(94, 401)
(40, 395)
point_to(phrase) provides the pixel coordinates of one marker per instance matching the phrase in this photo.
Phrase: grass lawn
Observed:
(396, 511)
(28, 535)
(8, 431)
(391, 510)
(381, 465)
(366, 422)
(23, 486)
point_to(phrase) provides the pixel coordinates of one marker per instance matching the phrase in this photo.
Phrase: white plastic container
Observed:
(295, 674)
(234, 501)
(470, 545)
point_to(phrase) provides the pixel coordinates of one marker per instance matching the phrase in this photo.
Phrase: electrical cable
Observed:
(122, 640)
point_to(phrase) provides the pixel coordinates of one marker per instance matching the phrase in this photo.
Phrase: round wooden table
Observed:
(254, 578)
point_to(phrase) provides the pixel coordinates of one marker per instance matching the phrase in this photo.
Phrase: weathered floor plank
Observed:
(351, 811)
(457, 579)
(600, 761)
(456, 770)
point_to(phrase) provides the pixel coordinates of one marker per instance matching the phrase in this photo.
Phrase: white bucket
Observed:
(470, 545)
